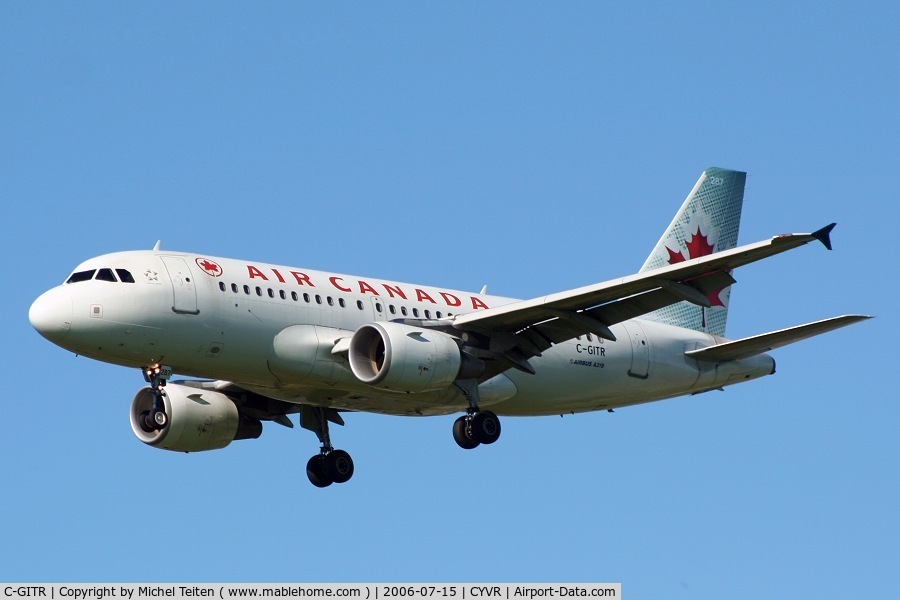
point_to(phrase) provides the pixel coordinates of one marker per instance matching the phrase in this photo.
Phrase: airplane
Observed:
(268, 341)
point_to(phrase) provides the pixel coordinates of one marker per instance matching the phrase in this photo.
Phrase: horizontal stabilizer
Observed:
(758, 344)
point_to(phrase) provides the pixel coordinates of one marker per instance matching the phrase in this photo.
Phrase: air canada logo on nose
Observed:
(209, 267)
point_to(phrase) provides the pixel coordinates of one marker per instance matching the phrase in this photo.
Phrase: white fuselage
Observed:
(218, 318)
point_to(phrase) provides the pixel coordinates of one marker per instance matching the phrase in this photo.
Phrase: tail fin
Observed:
(708, 222)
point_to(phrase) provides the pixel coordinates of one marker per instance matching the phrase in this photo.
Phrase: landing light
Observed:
(150, 372)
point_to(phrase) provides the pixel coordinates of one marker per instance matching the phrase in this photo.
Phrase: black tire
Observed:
(145, 422)
(339, 466)
(460, 428)
(317, 473)
(486, 427)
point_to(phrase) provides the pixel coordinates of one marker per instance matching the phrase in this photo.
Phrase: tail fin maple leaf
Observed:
(713, 206)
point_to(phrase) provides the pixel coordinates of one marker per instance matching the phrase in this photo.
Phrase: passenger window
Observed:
(427, 314)
(318, 299)
(589, 338)
(271, 293)
(234, 288)
(378, 306)
(306, 298)
(359, 304)
(124, 276)
(81, 276)
(247, 289)
(294, 296)
(342, 303)
(105, 275)
(222, 285)
(392, 309)
(330, 301)
(282, 294)
(438, 314)
(258, 291)
(416, 312)
(403, 311)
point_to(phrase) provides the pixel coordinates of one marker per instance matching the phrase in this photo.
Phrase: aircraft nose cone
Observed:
(51, 314)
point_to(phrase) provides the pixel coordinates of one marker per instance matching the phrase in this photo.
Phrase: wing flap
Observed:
(758, 344)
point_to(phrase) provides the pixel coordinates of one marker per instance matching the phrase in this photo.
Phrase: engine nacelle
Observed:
(403, 358)
(198, 420)
(302, 354)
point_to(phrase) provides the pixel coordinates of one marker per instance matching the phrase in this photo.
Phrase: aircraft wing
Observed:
(758, 344)
(538, 323)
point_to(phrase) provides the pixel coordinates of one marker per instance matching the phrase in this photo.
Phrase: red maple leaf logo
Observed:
(209, 267)
(675, 257)
(698, 246)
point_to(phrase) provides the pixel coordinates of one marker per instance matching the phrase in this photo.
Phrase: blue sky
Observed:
(534, 147)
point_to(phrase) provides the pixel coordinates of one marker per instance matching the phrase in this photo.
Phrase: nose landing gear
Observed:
(156, 418)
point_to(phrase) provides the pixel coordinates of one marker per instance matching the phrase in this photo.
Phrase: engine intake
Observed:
(198, 420)
(403, 358)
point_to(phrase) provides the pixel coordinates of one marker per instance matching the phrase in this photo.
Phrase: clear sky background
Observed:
(534, 147)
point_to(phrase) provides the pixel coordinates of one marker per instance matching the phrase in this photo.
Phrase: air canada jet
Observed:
(270, 341)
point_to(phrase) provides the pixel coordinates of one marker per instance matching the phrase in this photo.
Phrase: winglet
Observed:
(824, 235)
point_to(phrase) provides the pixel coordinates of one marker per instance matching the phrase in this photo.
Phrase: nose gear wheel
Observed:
(156, 418)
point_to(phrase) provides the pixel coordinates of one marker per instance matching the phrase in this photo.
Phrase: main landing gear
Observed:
(156, 418)
(330, 465)
(476, 427)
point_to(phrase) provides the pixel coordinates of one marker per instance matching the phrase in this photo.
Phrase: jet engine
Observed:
(403, 358)
(198, 419)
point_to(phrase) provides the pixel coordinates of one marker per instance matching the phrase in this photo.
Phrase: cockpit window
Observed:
(81, 276)
(105, 275)
(101, 275)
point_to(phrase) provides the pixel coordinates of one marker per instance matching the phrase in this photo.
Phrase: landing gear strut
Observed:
(156, 418)
(329, 465)
(477, 427)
